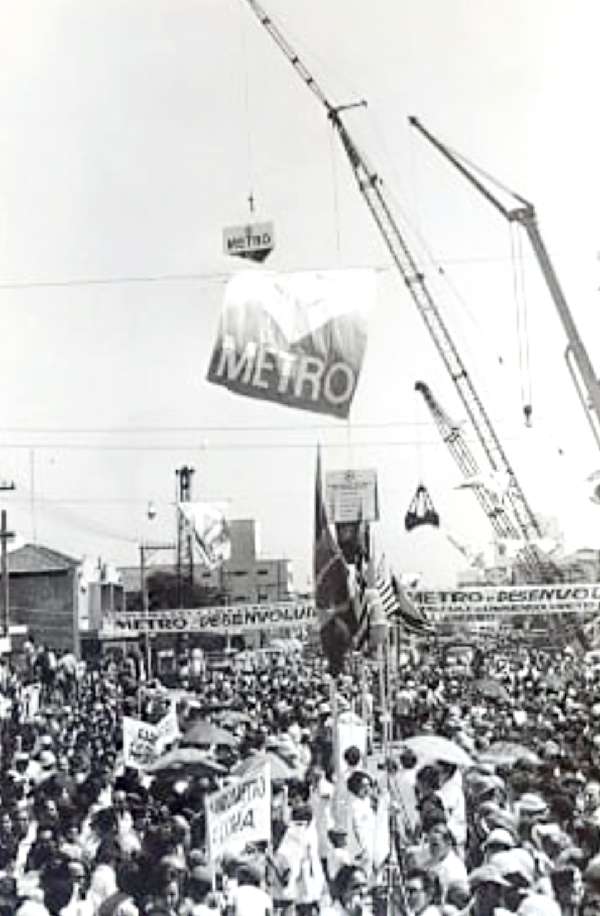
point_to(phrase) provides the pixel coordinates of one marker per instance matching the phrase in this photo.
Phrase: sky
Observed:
(132, 134)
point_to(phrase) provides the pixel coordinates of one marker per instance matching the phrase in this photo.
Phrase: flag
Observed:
(402, 609)
(332, 594)
(365, 582)
(210, 530)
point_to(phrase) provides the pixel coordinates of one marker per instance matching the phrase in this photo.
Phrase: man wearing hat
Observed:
(487, 885)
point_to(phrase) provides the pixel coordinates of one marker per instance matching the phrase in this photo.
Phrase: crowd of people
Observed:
(482, 797)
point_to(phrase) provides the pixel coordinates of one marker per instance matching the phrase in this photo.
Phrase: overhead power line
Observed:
(216, 446)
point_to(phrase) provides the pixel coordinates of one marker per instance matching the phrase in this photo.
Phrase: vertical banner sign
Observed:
(297, 339)
(239, 814)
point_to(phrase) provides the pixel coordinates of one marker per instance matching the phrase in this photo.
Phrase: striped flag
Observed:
(361, 606)
(402, 609)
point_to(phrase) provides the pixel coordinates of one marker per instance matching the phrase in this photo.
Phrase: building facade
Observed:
(246, 578)
(59, 597)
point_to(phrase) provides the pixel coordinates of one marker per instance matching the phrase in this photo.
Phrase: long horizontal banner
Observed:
(502, 600)
(515, 599)
(235, 619)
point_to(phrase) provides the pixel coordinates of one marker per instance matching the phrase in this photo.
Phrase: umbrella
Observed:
(507, 753)
(234, 717)
(435, 747)
(189, 759)
(492, 690)
(280, 770)
(206, 733)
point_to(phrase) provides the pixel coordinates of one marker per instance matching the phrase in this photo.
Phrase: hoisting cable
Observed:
(441, 272)
(335, 189)
(251, 198)
(520, 297)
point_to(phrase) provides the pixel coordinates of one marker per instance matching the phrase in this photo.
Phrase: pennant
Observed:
(332, 593)
(210, 531)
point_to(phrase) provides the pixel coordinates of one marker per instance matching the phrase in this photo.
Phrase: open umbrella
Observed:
(506, 753)
(186, 759)
(280, 770)
(234, 717)
(206, 733)
(429, 748)
(492, 690)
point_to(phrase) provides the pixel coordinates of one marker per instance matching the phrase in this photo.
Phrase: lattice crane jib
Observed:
(371, 189)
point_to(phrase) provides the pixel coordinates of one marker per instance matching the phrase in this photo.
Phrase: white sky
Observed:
(131, 134)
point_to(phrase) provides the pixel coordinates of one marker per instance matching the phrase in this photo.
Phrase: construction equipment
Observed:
(371, 188)
(576, 356)
(421, 510)
(530, 560)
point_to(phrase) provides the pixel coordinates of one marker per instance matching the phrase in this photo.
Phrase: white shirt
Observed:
(248, 900)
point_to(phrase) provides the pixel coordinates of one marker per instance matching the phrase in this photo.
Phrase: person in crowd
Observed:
(444, 862)
(421, 890)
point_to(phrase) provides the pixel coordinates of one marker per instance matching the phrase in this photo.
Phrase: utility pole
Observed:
(185, 547)
(5, 537)
(148, 549)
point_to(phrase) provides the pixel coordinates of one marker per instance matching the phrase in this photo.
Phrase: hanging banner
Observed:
(239, 814)
(297, 339)
(237, 618)
(210, 530)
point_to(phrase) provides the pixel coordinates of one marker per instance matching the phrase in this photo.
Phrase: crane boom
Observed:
(577, 358)
(370, 187)
(451, 434)
(530, 560)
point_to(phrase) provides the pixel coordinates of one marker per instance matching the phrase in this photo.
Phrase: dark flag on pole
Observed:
(337, 620)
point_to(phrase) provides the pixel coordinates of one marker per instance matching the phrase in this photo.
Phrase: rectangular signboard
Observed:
(351, 496)
(240, 813)
(253, 238)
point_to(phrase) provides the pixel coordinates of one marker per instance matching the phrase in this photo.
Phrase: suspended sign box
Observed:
(351, 496)
(254, 241)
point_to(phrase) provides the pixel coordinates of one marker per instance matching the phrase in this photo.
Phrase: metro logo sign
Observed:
(254, 241)
(296, 339)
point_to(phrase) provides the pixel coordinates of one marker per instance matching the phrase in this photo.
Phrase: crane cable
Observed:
(520, 298)
(246, 102)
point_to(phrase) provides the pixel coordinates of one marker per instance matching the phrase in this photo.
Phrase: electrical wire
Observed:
(109, 430)
(218, 446)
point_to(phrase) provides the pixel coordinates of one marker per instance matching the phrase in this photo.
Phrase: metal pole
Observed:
(4, 534)
(146, 611)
